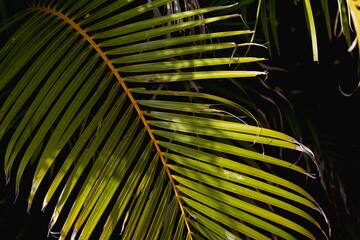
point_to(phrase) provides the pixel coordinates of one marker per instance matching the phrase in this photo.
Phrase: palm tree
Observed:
(101, 97)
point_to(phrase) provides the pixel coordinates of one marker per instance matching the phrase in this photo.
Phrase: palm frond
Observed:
(78, 78)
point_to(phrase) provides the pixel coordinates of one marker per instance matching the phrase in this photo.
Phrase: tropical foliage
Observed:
(101, 98)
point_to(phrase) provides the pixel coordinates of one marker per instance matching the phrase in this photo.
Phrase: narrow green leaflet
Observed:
(219, 124)
(191, 76)
(311, 22)
(206, 96)
(169, 53)
(156, 44)
(326, 11)
(170, 65)
(178, 106)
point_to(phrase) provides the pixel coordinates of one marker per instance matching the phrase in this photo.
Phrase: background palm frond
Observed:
(340, 18)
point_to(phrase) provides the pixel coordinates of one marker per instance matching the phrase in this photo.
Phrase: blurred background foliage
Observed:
(305, 99)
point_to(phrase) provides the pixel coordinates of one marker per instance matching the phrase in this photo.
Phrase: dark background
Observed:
(324, 113)
(329, 122)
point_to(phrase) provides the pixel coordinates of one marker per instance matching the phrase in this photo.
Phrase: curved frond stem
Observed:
(102, 54)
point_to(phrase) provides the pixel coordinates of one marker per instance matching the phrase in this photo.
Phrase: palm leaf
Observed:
(77, 80)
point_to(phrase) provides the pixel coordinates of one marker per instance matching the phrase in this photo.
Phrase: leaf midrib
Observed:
(108, 62)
